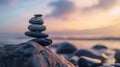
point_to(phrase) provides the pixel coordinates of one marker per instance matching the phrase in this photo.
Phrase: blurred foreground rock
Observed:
(30, 54)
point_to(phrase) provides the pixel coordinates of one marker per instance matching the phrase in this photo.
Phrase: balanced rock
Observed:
(36, 34)
(37, 19)
(43, 41)
(35, 27)
(35, 30)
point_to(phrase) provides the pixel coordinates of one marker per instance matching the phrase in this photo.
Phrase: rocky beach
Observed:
(39, 51)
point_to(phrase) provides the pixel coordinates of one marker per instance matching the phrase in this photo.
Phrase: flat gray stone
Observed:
(35, 27)
(38, 15)
(36, 34)
(43, 41)
(36, 20)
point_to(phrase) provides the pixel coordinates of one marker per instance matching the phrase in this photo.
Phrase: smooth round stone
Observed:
(35, 27)
(87, 53)
(36, 20)
(36, 34)
(99, 46)
(43, 41)
(88, 62)
(66, 48)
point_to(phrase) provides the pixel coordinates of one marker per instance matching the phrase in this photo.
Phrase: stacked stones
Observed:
(36, 29)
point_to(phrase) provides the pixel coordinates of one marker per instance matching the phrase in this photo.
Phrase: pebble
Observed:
(43, 41)
(36, 20)
(88, 62)
(36, 34)
(66, 48)
(35, 27)
(87, 53)
(99, 46)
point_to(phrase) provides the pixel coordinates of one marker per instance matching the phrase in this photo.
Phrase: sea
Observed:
(16, 39)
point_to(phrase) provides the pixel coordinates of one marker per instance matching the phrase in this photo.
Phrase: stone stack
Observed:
(35, 30)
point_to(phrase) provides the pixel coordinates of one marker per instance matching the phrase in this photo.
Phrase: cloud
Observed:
(7, 2)
(103, 4)
(61, 7)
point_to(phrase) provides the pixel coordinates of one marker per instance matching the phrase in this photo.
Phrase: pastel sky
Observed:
(80, 16)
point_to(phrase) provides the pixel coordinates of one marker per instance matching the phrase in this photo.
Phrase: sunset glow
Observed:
(75, 16)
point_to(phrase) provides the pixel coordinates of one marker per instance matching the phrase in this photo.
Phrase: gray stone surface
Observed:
(35, 27)
(30, 54)
(36, 34)
(36, 20)
(43, 41)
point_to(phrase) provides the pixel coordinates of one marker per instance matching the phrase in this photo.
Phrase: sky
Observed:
(62, 16)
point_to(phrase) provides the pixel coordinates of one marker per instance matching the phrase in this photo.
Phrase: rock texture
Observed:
(30, 54)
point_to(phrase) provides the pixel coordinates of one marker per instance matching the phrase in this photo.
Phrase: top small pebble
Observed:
(37, 19)
(38, 15)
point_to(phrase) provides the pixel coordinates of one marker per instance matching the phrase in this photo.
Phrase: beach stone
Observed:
(36, 20)
(35, 27)
(43, 41)
(88, 62)
(36, 34)
(31, 54)
(99, 46)
(38, 15)
(87, 53)
(117, 57)
(66, 48)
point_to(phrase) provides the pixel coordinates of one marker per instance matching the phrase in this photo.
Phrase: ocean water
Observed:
(16, 39)
(89, 43)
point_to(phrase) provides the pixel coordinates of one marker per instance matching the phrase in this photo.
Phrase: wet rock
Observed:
(88, 62)
(90, 54)
(30, 54)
